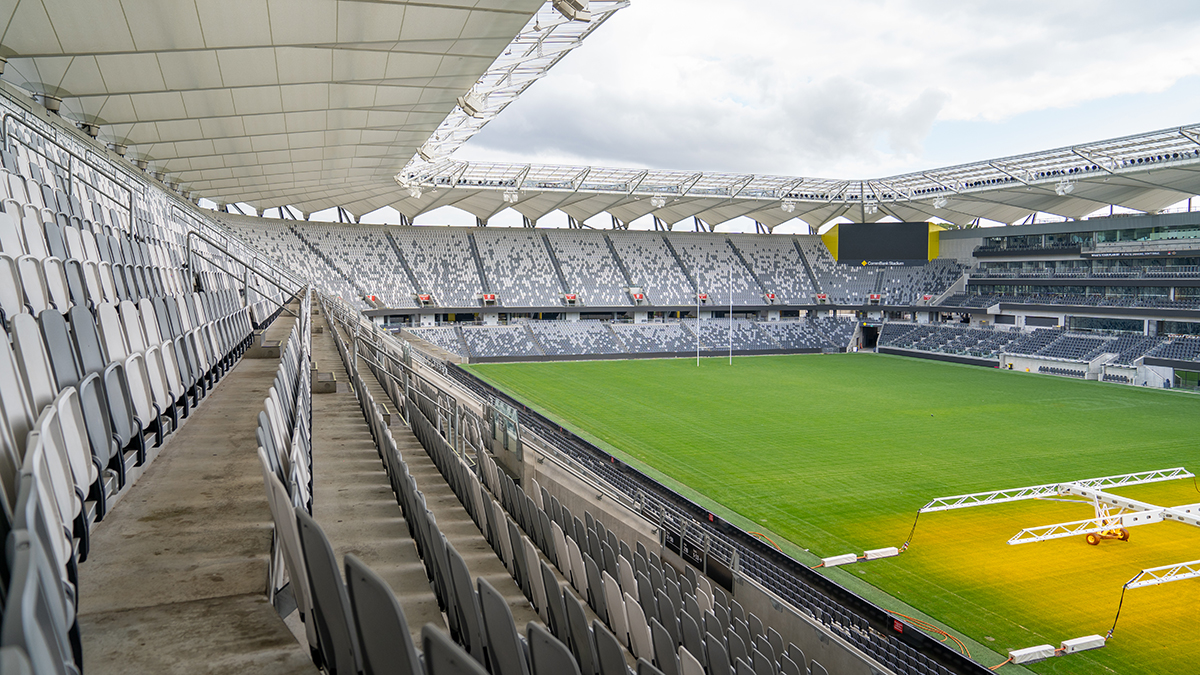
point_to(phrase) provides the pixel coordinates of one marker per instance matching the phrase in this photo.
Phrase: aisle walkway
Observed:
(352, 499)
(176, 582)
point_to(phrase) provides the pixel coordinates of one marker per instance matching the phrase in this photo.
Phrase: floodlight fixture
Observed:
(473, 103)
(940, 203)
(573, 10)
(788, 205)
(658, 201)
(414, 191)
(870, 208)
(1064, 187)
(511, 196)
(428, 151)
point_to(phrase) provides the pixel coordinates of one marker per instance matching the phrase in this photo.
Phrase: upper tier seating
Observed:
(652, 267)
(777, 263)
(907, 285)
(365, 252)
(441, 260)
(281, 243)
(712, 262)
(844, 284)
(518, 268)
(589, 268)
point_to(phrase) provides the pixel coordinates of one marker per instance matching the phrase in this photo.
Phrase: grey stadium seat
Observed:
(385, 643)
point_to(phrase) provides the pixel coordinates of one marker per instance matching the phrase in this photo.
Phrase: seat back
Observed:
(32, 361)
(12, 295)
(506, 654)
(470, 621)
(664, 649)
(556, 611)
(547, 655)
(112, 336)
(31, 621)
(382, 632)
(443, 657)
(581, 640)
(56, 283)
(609, 655)
(60, 348)
(331, 605)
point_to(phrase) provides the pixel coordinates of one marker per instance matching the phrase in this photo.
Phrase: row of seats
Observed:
(83, 398)
(47, 266)
(523, 267)
(565, 338)
(1062, 372)
(284, 437)
(977, 299)
(672, 622)
(361, 627)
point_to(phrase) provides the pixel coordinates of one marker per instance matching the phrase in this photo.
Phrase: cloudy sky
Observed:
(854, 88)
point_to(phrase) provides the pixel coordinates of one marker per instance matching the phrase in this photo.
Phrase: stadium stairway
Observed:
(453, 521)
(176, 576)
(352, 499)
(341, 492)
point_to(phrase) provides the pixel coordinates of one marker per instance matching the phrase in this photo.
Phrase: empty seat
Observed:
(383, 637)
(331, 604)
(505, 651)
(547, 655)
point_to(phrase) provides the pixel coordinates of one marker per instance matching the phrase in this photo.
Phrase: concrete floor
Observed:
(177, 578)
(176, 582)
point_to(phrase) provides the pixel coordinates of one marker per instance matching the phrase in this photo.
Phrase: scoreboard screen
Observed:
(883, 243)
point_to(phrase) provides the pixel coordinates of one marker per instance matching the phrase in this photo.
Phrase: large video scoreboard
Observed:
(883, 244)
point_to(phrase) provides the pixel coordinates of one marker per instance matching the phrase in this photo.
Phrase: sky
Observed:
(849, 89)
(853, 88)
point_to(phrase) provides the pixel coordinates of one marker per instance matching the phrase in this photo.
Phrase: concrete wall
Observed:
(959, 249)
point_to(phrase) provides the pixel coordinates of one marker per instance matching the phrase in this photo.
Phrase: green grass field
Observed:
(836, 453)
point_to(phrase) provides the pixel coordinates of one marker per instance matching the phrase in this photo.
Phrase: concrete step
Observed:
(456, 524)
(353, 501)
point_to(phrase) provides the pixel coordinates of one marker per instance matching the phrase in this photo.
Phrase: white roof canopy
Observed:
(310, 103)
(1146, 172)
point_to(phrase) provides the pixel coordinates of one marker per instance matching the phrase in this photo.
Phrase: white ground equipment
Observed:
(1114, 514)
